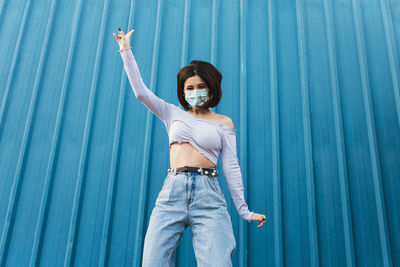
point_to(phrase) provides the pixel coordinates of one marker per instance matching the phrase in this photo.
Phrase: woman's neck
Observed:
(199, 111)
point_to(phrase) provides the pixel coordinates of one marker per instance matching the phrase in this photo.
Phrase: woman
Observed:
(191, 195)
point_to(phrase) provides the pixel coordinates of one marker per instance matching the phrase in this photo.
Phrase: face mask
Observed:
(196, 97)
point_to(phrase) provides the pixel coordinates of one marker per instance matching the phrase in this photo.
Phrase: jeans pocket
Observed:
(218, 188)
(166, 179)
(165, 191)
(214, 185)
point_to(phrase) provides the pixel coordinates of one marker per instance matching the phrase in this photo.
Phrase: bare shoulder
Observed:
(225, 120)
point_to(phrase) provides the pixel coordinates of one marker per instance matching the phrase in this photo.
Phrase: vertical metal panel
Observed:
(308, 147)
(276, 168)
(241, 244)
(348, 246)
(372, 140)
(311, 85)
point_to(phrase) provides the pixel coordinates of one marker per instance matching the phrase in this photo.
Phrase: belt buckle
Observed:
(185, 169)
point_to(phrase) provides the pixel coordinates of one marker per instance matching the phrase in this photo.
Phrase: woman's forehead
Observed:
(194, 80)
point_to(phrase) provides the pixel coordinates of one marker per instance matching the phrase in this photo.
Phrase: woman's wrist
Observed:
(124, 48)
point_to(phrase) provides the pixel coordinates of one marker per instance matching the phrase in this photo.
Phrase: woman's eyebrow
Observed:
(198, 85)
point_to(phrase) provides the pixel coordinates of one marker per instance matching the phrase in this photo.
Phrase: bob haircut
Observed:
(209, 74)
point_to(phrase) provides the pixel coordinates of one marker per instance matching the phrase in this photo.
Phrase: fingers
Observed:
(122, 35)
(117, 37)
(259, 217)
(261, 223)
(128, 35)
(262, 219)
(121, 32)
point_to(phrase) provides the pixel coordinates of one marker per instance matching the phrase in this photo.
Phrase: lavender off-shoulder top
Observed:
(208, 137)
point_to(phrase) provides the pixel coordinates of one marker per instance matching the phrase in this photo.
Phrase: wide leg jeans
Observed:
(195, 200)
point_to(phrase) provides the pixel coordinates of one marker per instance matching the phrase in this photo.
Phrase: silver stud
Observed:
(213, 174)
(214, 170)
(206, 172)
(199, 170)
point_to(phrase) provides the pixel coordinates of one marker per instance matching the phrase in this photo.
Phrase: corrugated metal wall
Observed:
(311, 85)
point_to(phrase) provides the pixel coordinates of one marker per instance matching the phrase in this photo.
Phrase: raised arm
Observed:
(155, 104)
(232, 173)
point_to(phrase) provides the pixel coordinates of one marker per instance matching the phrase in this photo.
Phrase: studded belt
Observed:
(201, 170)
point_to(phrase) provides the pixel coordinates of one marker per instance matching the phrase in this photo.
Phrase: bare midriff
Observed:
(184, 154)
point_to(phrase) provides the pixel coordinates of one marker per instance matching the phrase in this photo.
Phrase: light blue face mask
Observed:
(196, 97)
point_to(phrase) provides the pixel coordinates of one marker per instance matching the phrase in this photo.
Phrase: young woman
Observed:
(191, 195)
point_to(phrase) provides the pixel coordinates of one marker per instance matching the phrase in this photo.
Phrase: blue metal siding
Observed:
(311, 85)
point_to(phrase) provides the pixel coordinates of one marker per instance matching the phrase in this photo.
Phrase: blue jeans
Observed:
(195, 200)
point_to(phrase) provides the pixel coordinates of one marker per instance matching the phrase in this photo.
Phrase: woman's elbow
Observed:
(139, 96)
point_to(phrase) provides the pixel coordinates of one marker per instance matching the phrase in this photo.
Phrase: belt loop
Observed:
(200, 170)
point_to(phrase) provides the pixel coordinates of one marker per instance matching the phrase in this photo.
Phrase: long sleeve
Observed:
(232, 173)
(155, 104)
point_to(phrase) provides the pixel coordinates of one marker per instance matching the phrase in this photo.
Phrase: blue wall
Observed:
(311, 85)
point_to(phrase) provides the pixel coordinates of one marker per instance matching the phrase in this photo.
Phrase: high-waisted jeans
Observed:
(195, 200)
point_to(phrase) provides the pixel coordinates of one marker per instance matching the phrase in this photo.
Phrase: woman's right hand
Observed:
(122, 39)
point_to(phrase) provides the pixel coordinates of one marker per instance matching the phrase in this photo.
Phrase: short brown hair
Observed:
(209, 74)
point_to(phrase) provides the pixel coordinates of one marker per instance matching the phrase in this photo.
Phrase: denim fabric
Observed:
(195, 200)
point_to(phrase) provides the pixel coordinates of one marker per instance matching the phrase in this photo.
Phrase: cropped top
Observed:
(210, 138)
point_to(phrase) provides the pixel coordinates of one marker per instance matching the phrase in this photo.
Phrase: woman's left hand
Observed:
(259, 217)
(123, 39)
